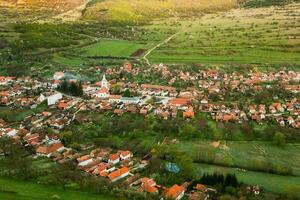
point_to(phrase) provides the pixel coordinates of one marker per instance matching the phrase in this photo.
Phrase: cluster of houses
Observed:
(115, 166)
(168, 102)
(162, 101)
(159, 100)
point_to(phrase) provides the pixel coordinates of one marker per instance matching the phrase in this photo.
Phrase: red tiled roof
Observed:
(148, 188)
(49, 149)
(112, 176)
(124, 153)
(200, 187)
(102, 90)
(158, 87)
(174, 191)
(62, 105)
(179, 101)
(113, 156)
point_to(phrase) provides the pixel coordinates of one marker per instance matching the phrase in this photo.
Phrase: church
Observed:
(103, 92)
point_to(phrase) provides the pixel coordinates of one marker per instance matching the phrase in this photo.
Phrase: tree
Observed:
(188, 130)
(16, 160)
(71, 88)
(279, 139)
(185, 164)
(115, 89)
(127, 93)
(155, 164)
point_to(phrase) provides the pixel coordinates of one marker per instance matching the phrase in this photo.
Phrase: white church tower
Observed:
(104, 82)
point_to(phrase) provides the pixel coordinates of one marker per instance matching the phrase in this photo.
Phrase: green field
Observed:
(114, 48)
(270, 182)
(19, 190)
(68, 61)
(249, 154)
(263, 35)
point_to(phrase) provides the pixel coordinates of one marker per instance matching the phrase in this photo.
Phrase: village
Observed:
(162, 101)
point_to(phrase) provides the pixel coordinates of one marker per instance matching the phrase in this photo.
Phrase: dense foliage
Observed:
(72, 88)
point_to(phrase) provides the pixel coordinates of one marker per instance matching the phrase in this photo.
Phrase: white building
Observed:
(53, 99)
(103, 92)
(58, 75)
(130, 100)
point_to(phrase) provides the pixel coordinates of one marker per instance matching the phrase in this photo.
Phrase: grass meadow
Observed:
(115, 48)
(19, 190)
(245, 154)
(270, 182)
(241, 36)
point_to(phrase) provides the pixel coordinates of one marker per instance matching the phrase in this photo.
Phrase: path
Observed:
(155, 47)
(69, 16)
(74, 14)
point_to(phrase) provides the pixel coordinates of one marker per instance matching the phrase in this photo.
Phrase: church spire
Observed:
(104, 82)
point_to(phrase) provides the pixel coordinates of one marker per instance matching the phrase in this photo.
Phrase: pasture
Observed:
(270, 182)
(114, 48)
(241, 36)
(252, 155)
(19, 190)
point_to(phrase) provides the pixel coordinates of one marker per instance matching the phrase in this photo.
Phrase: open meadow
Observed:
(19, 190)
(270, 182)
(252, 155)
(242, 36)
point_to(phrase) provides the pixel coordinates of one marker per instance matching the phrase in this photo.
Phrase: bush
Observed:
(279, 139)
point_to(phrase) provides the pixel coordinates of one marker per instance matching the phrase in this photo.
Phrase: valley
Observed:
(200, 93)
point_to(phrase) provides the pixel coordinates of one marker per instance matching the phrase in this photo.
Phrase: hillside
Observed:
(54, 5)
(137, 11)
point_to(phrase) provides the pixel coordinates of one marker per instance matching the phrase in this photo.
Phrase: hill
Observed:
(137, 11)
(54, 5)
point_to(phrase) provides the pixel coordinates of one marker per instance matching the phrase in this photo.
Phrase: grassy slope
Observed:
(270, 182)
(243, 154)
(31, 191)
(53, 4)
(136, 11)
(264, 35)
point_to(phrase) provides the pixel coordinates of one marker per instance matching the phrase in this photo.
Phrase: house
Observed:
(104, 169)
(11, 132)
(53, 99)
(48, 150)
(130, 100)
(62, 105)
(83, 158)
(114, 98)
(58, 75)
(148, 185)
(189, 113)
(124, 155)
(32, 139)
(175, 192)
(85, 162)
(180, 103)
(200, 187)
(150, 87)
(114, 158)
(118, 174)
